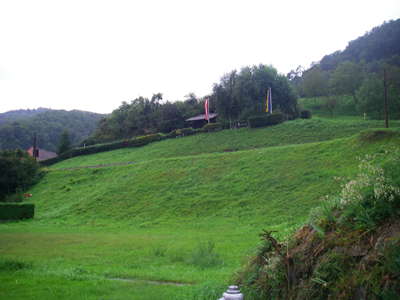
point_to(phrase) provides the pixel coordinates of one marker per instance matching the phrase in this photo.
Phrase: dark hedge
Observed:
(16, 211)
(266, 120)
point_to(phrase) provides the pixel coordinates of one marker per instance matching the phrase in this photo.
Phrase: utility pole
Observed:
(386, 100)
(35, 151)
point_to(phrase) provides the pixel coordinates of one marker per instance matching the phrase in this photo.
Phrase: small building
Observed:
(41, 154)
(200, 120)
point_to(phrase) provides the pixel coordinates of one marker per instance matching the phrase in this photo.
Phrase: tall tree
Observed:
(315, 82)
(243, 93)
(65, 143)
(346, 79)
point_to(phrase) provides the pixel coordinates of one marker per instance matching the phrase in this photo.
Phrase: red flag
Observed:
(206, 110)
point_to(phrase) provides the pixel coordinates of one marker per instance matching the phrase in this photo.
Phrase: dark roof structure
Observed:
(43, 154)
(202, 117)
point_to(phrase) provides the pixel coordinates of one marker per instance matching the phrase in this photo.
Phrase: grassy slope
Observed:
(288, 133)
(145, 220)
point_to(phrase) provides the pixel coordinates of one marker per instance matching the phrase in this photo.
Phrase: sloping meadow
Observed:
(268, 186)
(190, 219)
(288, 133)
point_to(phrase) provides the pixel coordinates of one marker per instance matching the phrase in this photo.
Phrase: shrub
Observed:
(185, 131)
(171, 134)
(16, 211)
(18, 172)
(276, 118)
(305, 114)
(212, 127)
(257, 121)
(266, 120)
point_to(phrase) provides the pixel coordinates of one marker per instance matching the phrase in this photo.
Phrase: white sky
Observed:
(92, 55)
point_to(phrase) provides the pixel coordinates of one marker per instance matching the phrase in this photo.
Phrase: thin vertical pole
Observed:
(386, 100)
(34, 152)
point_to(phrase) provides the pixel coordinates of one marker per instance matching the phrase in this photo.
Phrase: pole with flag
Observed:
(206, 111)
(268, 105)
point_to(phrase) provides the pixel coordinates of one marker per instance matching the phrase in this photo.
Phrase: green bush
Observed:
(16, 211)
(212, 127)
(185, 131)
(258, 121)
(305, 114)
(266, 120)
(276, 118)
(18, 172)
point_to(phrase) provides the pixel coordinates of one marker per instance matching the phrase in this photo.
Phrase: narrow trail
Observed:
(96, 166)
(155, 282)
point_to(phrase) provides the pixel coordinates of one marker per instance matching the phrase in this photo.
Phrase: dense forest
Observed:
(357, 73)
(18, 127)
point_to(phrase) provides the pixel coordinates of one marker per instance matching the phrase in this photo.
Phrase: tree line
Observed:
(238, 95)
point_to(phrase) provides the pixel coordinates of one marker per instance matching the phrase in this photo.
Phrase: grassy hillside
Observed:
(289, 133)
(242, 186)
(186, 211)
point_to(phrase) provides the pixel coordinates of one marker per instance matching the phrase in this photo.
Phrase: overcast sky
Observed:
(92, 55)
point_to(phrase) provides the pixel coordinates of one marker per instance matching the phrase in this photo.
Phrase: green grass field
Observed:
(189, 210)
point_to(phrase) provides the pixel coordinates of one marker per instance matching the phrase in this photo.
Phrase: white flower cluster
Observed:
(369, 177)
(272, 264)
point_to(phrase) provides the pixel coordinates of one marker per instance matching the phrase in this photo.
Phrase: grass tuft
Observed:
(14, 265)
(204, 256)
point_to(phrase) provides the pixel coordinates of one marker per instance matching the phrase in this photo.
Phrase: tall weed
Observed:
(204, 256)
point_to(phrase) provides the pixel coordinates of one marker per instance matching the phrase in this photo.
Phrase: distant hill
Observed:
(17, 127)
(15, 115)
(380, 43)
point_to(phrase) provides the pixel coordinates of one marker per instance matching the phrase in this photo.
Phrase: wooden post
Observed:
(385, 99)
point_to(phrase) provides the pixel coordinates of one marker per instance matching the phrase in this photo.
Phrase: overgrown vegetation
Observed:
(349, 250)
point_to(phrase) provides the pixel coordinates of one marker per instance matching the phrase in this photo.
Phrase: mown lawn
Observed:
(154, 220)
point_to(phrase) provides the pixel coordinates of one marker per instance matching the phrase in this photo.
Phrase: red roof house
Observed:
(42, 154)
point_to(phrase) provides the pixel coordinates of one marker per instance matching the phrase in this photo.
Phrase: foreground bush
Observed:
(349, 250)
(18, 171)
(16, 211)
